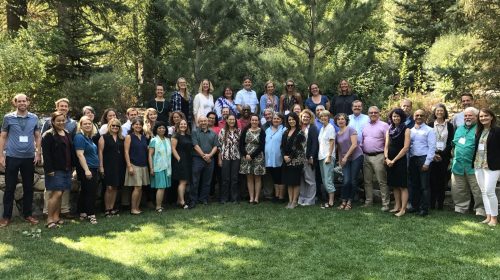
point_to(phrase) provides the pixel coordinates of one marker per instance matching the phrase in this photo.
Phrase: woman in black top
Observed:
(161, 105)
(342, 103)
(182, 147)
(112, 164)
(59, 159)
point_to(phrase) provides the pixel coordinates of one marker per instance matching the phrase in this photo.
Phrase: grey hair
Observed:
(374, 107)
(320, 106)
(473, 110)
(269, 110)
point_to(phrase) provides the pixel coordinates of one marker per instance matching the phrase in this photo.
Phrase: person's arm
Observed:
(298, 97)
(126, 151)
(451, 133)
(256, 104)
(263, 102)
(48, 154)
(196, 107)
(431, 151)
(243, 152)
(218, 107)
(405, 148)
(282, 99)
(38, 146)
(151, 151)
(174, 149)
(100, 146)
(386, 148)
(354, 145)
(3, 140)
(327, 104)
(331, 148)
(237, 101)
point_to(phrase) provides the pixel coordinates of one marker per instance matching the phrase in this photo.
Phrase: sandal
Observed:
(115, 212)
(159, 210)
(394, 210)
(348, 206)
(343, 205)
(326, 205)
(83, 216)
(52, 225)
(107, 214)
(60, 222)
(92, 219)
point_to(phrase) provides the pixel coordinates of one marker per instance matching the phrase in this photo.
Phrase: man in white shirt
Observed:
(467, 100)
(131, 113)
(247, 96)
(357, 120)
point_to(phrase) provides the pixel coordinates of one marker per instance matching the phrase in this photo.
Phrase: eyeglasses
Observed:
(290, 85)
(115, 125)
(419, 115)
(372, 113)
(246, 110)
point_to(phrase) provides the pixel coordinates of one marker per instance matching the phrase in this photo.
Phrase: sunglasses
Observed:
(290, 85)
(419, 115)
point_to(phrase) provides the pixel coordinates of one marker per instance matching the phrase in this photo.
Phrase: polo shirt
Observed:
(207, 140)
(463, 151)
(21, 134)
(358, 123)
(247, 97)
(374, 137)
(89, 149)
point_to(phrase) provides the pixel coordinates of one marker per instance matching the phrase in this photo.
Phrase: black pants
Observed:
(419, 184)
(88, 193)
(438, 176)
(229, 185)
(12, 167)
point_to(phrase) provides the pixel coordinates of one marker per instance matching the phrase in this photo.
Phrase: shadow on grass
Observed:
(257, 242)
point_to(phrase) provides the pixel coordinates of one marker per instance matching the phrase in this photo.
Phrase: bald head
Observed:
(203, 122)
(419, 116)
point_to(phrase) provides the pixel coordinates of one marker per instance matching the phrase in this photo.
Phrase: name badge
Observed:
(481, 147)
(461, 141)
(440, 145)
(23, 139)
(286, 112)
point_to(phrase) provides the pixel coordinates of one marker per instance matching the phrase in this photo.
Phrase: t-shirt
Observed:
(344, 144)
(21, 134)
(89, 148)
(325, 135)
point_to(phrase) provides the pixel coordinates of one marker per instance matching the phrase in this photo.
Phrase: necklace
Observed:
(162, 106)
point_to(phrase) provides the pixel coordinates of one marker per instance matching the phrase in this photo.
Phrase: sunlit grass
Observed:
(256, 242)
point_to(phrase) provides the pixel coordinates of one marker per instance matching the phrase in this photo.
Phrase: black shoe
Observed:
(411, 210)
(192, 206)
(423, 213)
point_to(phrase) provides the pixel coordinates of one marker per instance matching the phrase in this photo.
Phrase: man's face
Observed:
(22, 103)
(419, 117)
(466, 101)
(63, 107)
(357, 108)
(268, 116)
(470, 118)
(132, 114)
(225, 113)
(211, 120)
(247, 84)
(374, 114)
(406, 107)
(318, 111)
(203, 122)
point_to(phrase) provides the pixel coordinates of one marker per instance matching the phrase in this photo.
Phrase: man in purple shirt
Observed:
(422, 150)
(373, 167)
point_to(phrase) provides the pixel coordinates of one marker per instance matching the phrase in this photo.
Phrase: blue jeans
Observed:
(327, 174)
(419, 184)
(202, 176)
(350, 171)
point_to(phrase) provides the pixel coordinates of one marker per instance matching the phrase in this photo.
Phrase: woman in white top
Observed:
(326, 156)
(203, 102)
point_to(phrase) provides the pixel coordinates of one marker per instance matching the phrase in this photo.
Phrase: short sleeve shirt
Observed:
(21, 134)
(326, 134)
(89, 148)
(245, 97)
(344, 143)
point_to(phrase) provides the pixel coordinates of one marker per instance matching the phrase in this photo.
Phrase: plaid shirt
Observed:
(176, 101)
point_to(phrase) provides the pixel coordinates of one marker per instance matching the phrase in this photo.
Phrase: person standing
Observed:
(274, 157)
(316, 98)
(292, 146)
(289, 98)
(106, 117)
(269, 100)
(486, 163)
(407, 105)
(205, 144)
(112, 164)
(203, 102)
(87, 169)
(326, 156)
(160, 104)
(182, 147)
(342, 103)
(422, 151)
(226, 101)
(181, 100)
(229, 160)
(357, 119)
(131, 113)
(247, 96)
(20, 137)
(307, 191)
(397, 144)
(466, 100)
(373, 144)
(438, 171)
(160, 163)
(463, 179)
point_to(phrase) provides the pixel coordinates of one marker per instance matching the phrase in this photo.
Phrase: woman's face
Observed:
(276, 121)
(290, 87)
(314, 89)
(341, 122)
(152, 116)
(176, 118)
(247, 84)
(59, 123)
(297, 109)
(485, 118)
(270, 88)
(137, 127)
(228, 93)
(439, 113)
(111, 115)
(159, 91)
(114, 127)
(324, 120)
(86, 126)
(396, 119)
(183, 126)
(160, 131)
(306, 119)
(344, 86)
(181, 83)
(292, 122)
(254, 121)
(205, 86)
(88, 113)
(231, 121)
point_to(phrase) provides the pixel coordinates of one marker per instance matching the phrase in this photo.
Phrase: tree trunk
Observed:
(311, 71)
(196, 63)
(17, 10)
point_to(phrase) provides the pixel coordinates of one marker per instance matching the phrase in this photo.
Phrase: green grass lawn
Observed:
(265, 241)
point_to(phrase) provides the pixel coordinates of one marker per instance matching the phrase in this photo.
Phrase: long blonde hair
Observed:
(79, 126)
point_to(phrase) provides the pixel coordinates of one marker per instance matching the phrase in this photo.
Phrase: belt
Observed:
(374, 154)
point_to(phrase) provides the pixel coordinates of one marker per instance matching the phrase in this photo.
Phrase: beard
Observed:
(469, 123)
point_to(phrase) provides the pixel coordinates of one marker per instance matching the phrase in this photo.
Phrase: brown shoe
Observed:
(31, 220)
(4, 222)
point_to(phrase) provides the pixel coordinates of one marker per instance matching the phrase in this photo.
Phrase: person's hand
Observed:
(343, 161)
(178, 159)
(220, 162)
(37, 158)
(51, 173)
(88, 174)
(287, 159)
(425, 168)
(152, 172)
(390, 163)
(310, 160)
(2, 160)
(438, 158)
(328, 160)
(131, 171)
(248, 157)
(101, 170)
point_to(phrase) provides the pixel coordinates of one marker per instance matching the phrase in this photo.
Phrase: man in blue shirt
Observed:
(21, 139)
(422, 150)
(406, 106)
(357, 119)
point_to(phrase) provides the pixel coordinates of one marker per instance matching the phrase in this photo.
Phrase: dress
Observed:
(181, 170)
(113, 161)
(294, 147)
(252, 143)
(397, 175)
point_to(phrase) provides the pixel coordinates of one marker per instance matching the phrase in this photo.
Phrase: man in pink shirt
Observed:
(373, 167)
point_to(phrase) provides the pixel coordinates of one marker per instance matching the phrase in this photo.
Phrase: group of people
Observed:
(191, 142)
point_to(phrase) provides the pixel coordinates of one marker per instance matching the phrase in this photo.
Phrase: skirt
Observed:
(291, 174)
(60, 181)
(140, 177)
(161, 180)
